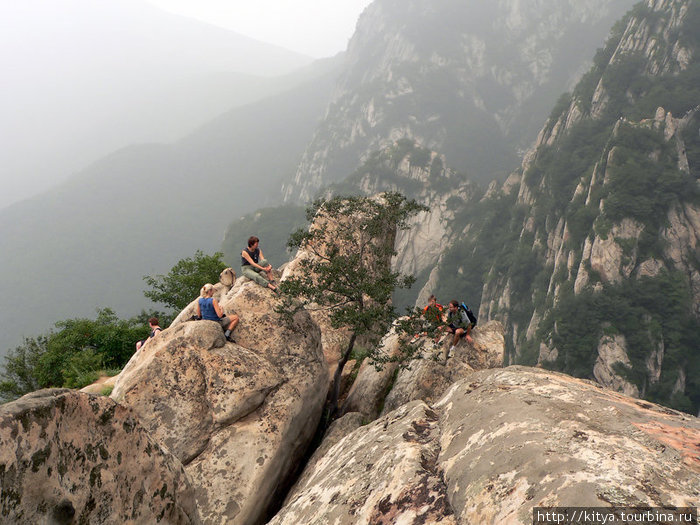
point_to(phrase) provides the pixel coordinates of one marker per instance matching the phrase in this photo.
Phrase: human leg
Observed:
(458, 334)
(268, 273)
(254, 275)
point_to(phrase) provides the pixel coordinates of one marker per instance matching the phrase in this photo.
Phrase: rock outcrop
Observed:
(378, 391)
(238, 415)
(427, 379)
(606, 239)
(499, 443)
(69, 457)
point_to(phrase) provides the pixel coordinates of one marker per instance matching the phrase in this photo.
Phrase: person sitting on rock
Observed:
(253, 265)
(458, 323)
(433, 314)
(208, 309)
(155, 330)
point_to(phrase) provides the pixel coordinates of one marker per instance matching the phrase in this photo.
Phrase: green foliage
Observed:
(113, 339)
(647, 312)
(349, 275)
(106, 391)
(644, 179)
(181, 285)
(81, 368)
(19, 374)
(73, 355)
(562, 105)
(272, 226)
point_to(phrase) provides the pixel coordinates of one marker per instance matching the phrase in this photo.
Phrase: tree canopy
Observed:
(347, 268)
(184, 280)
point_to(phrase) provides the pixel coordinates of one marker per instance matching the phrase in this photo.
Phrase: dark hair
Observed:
(153, 320)
(431, 298)
(252, 240)
(454, 302)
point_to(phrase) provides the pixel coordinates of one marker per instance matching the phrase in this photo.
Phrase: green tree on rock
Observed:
(181, 285)
(345, 270)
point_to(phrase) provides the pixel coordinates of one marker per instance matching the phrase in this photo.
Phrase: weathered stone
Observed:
(70, 457)
(429, 377)
(517, 438)
(499, 443)
(381, 473)
(367, 393)
(239, 415)
(340, 428)
(612, 350)
(607, 256)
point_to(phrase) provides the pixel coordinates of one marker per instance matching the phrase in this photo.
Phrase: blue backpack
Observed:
(470, 314)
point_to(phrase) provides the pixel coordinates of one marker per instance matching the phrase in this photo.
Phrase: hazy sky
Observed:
(318, 28)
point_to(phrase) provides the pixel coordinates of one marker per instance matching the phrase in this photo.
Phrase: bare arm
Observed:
(217, 308)
(262, 258)
(248, 258)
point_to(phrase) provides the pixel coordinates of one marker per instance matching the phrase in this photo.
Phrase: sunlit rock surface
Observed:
(70, 457)
(499, 443)
(238, 415)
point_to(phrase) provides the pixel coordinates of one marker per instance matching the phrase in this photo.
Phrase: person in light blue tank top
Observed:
(207, 308)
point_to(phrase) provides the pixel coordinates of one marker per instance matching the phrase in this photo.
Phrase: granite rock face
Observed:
(381, 473)
(499, 443)
(378, 391)
(429, 378)
(238, 415)
(496, 63)
(70, 457)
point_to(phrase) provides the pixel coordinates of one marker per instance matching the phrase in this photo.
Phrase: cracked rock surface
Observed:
(70, 457)
(238, 415)
(497, 444)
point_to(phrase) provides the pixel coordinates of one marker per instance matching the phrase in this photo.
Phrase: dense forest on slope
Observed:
(617, 163)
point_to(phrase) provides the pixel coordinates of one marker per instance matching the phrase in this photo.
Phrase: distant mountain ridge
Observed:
(472, 81)
(89, 242)
(589, 253)
(83, 78)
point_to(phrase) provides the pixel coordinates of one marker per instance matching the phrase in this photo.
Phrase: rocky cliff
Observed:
(597, 269)
(498, 444)
(203, 430)
(473, 81)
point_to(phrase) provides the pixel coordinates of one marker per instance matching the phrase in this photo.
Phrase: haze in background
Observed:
(81, 79)
(318, 28)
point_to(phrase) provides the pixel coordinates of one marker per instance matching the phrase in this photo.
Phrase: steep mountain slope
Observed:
(83, 78)
(589, 253)
(473, 80)
(89, 242)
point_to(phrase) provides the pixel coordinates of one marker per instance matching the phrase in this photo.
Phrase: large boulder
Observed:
(238, 415)
(429, 377)
(70, 457)
(369, 389)
(376, 392)
(499, 443)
